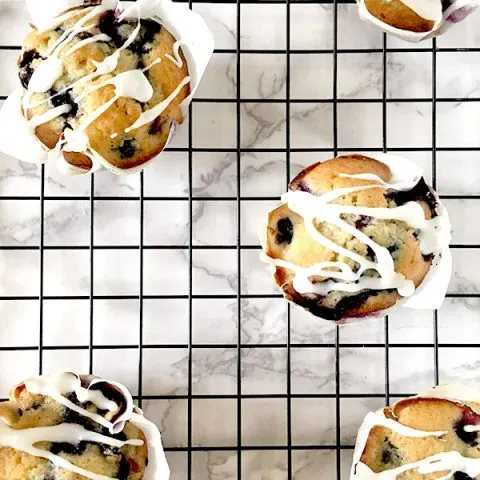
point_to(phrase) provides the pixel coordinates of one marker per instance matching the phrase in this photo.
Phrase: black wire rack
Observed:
(187, 465)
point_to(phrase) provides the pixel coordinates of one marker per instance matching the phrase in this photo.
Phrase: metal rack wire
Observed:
(289, 447)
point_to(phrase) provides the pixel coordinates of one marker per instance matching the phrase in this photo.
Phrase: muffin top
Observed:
(351, 239)
(103, 85)
(417, 16)
(70, 427)
(431, 436)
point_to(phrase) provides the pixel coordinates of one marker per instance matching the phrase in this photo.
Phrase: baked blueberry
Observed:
(390, 454)
(284, 231)
(127, 149)
(64, 98)
(461, 476)
(469, 417)
(26, 65)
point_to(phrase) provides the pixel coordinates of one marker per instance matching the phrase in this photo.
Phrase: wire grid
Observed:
(240, 448)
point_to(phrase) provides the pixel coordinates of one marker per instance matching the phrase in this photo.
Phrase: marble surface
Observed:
(214, 425)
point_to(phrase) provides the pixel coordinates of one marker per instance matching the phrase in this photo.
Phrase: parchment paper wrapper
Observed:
(429, 295)
(185, 25)
(455, 12)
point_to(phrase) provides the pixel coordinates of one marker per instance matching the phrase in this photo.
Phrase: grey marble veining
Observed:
(268, 369)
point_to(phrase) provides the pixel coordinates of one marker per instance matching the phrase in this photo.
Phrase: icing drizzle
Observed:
(56, 387)
(449, 462)
(339, 275)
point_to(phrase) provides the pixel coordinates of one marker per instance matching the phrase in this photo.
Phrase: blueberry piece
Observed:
(428, 257)
(127, 149)
(68, 448)
(123, 469)
(420, 192)
(315, 305)
(61, 99)
(302, 187)
(25, 66)
(393, 248)
(83, 35)
(109, 25)
(461, 476)
(284, 231)
(362, 222)
(469, 417)
(148, 30)
(156, 126)
(390, 455)
(370, 253)
(446, 4)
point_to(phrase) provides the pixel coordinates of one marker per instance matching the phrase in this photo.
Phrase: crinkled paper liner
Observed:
(455, 13)
(430, 294)
(184, 24)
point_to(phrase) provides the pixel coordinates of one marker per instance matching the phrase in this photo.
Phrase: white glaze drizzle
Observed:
(56, 387)
(150, 115)
(318, 208)
(49, 115)
(472, 428)
(176, 59)
(450, 462)
(101, 37)
(45, 75)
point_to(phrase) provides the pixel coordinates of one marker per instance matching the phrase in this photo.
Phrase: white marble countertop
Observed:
(264, 410)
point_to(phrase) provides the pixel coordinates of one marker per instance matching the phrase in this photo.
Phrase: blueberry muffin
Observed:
(101, 87)
(399, 15)
(70, 427)
(351, 237)
(431, 436)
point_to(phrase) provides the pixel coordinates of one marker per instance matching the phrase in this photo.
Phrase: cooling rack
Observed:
(136, 278)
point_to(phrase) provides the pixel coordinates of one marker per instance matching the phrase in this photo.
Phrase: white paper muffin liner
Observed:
(184, 24)
(429, 295)
(455, 13)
